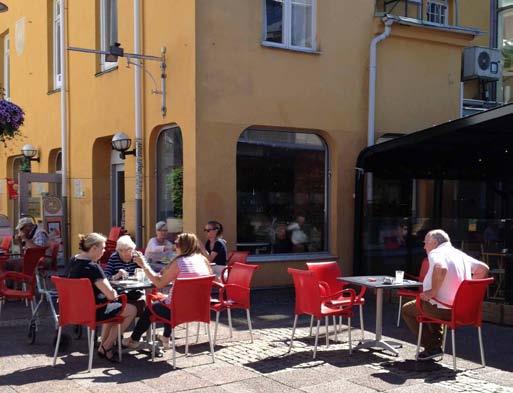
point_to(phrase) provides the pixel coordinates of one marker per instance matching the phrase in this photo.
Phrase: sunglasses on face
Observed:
(209, 229)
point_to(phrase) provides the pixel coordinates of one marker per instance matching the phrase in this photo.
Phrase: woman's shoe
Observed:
(164, 341)
(127, 342)
(107, 354)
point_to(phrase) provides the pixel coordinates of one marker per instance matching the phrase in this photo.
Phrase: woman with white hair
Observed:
(121, 263)
(159, 247)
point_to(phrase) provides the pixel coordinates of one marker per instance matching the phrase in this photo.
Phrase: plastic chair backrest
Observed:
(468, 302)
(308, 295)
(191, 300)
(115, 233)
(6, 243)
(31, 259)
(423, 269)
(237, 256)
(241, 275)
(76, 301)
(327, 272)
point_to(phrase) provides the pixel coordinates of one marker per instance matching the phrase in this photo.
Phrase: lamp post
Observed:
(29, 154)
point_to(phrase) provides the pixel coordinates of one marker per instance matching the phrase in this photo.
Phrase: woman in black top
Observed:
(85, 265)
(215, 246)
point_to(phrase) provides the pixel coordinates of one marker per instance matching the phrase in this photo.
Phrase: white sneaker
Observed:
(127, 342)
(164, 341)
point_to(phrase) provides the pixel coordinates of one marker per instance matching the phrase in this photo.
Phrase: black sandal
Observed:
(104, 355)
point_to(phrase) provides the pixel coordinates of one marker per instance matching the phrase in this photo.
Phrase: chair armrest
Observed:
(15, 276)
(227, 270)
(218, 284)
(350, 298)
(324, 287)
(122, 298)
(418, 303)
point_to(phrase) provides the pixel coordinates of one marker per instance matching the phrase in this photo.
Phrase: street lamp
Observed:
(29, 154)
(121, 142)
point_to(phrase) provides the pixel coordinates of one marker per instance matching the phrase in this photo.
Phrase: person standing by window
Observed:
(215, 246)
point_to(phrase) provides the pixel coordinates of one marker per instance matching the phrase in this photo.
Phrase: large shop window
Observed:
(281, 192)
(170, 178)
(290, 23)
(505, 44)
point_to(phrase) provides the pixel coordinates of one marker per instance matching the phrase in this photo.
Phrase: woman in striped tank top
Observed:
(189, 262)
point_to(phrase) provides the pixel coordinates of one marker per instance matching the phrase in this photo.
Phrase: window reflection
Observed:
(281, 192)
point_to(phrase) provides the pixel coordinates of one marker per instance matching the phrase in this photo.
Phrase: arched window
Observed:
(282, 192)
(170, 178)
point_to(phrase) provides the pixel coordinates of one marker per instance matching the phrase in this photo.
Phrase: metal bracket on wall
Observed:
(129, 56)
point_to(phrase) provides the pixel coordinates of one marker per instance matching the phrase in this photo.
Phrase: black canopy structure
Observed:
(474, 148)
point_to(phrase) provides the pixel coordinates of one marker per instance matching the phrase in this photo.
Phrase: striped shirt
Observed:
(194, 265)
(115, 264)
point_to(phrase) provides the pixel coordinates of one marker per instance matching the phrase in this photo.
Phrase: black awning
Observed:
(474, 147)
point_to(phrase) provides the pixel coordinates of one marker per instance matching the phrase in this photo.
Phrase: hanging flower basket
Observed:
(11, 119)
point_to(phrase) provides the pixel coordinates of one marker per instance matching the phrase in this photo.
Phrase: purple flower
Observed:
(11, 119)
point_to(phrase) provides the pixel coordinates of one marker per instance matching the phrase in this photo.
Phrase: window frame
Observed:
(500, 11)
(6, 78)
(287, 28)
(440, 5)
(325, 252)
(56, 31)
(178, 129)
(104, 29)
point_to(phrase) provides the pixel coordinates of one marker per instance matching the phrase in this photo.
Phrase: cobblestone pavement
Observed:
(261, 366)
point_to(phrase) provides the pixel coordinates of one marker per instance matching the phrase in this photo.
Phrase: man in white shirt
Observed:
(448, 267)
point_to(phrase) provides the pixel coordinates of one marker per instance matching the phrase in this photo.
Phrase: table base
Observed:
(387, 345)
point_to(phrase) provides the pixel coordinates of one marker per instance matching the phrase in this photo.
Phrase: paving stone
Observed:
(340, 385)
(258, 385)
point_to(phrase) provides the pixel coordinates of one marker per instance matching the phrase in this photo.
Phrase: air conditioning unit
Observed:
(481, 63)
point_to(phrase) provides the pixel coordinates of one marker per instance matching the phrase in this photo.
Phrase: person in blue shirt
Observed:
(121, 263)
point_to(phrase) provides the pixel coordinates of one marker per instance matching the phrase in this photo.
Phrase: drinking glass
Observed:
(399, 276)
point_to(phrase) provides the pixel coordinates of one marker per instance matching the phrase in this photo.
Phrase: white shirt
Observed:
(459, 265)
(155, 250)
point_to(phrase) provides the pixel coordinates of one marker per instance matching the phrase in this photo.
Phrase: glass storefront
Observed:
(281, 192)
(169, 191)
(477, 215)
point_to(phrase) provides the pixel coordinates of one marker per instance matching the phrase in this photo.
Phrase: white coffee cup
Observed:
(399, 276)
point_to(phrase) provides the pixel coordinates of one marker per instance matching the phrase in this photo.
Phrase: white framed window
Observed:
(7, 68)
(108, 29)
(56, 23)
(290, 24)
(437, 11)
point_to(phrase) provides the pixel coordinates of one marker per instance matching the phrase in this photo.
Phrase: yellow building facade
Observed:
(267, 110)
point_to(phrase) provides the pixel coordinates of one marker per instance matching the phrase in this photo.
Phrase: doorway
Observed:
(117, 190)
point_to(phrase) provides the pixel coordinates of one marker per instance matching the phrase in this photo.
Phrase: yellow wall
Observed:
(221, 80)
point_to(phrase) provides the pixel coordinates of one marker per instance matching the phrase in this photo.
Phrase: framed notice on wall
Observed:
(54, 228)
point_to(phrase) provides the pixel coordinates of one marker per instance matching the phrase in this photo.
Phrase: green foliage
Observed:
(174, 190)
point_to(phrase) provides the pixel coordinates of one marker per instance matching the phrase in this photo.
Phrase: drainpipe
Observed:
(138, 126)
(372, 80)
(64, 131)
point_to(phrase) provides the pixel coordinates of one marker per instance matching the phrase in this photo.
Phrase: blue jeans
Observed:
(144, 321)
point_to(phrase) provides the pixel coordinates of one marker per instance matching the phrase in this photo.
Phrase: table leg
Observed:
(378, 342)
(379, 313)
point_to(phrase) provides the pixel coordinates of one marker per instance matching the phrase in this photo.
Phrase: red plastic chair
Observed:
(115, 233)
(77, 307)
(310, 301)
(190, 303)
(234, 294)
(466, 311)
(327, 273)
(5, 246)
(412, 293)
(33, 258)
(237, 256)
